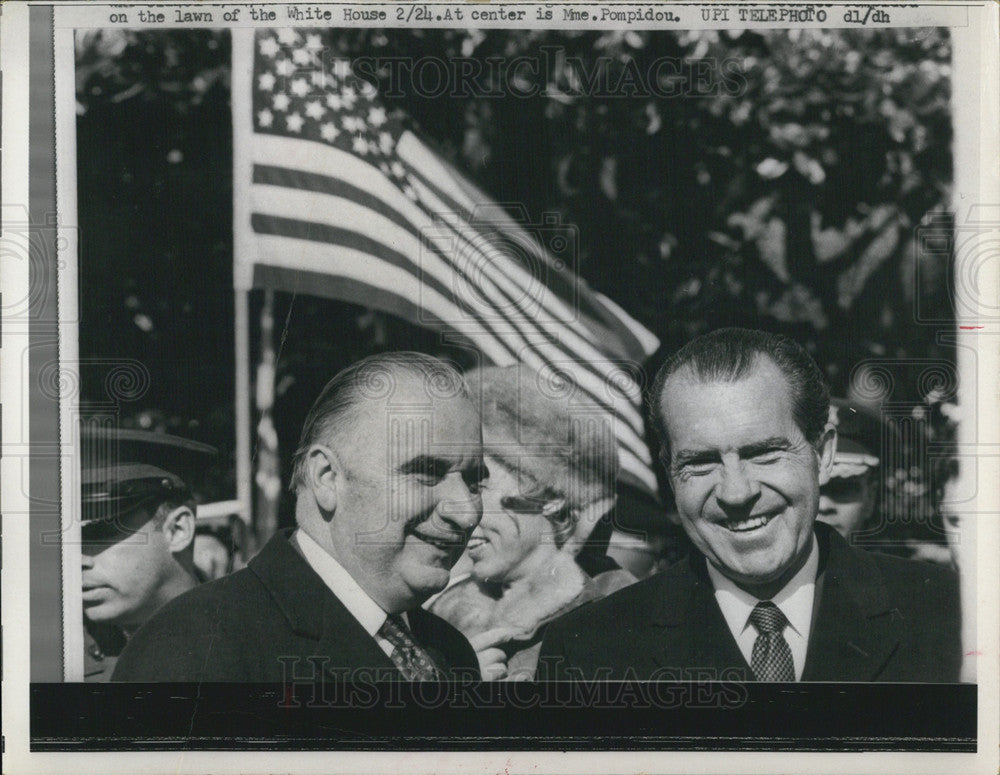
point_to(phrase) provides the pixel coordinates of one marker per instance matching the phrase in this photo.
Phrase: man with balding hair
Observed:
(387, 477)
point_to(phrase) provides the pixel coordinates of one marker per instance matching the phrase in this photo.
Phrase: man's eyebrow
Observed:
(424, 464)
(688, 455)
(440, 466)
(773, 444)
(684, 456)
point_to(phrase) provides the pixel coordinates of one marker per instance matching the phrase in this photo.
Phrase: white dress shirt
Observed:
(795, 601)
(369, 614)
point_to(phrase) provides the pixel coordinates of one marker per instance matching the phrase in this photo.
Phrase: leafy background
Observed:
(781, 185)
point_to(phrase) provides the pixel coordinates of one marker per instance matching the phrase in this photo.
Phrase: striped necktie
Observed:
(412, 660)
(772, 658)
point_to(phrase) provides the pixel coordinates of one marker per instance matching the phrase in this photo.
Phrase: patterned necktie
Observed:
(413, 662)
(772, 658)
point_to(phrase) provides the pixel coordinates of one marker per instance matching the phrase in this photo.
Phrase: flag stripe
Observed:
(612, 324)
(568, 300)
(270, 175)
(361, 248)
(340, 287)
(364, 246)
(343, 169)
(346, 203)
(537, 353)
(289, 253)
(642, 341)
(380, 233)
(639, 470)
(495, 264)
(595, 374)
(435, 175)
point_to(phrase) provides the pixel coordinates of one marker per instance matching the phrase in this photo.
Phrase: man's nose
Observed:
(736, 488)
(460, 506)
(86, 561)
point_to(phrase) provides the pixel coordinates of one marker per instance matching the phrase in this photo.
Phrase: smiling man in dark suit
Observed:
(387, 478)
(768, 593)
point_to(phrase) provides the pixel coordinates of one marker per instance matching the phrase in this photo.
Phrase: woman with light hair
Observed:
(553, 461)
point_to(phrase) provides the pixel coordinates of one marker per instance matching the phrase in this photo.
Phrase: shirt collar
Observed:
(795, 599)
(369, 613)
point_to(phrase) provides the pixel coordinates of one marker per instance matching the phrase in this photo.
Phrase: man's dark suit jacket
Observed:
(875, 618)
(274, 621)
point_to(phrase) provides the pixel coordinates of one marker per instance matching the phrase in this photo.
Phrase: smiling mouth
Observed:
(475, 542)
(445, 544)
(750, 524)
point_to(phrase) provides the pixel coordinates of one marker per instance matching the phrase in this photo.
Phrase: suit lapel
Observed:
(349, 645)
(691, 628)
(856, 629)
(422, 627)
(854, 634)
(313, 612)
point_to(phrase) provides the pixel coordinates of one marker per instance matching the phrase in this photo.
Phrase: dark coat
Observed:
(102, 643)
(274, 621)
(875, 618)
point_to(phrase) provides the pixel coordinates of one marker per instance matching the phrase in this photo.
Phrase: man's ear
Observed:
(664, 457)
(322, 469)
(178, 529)
(826, 448)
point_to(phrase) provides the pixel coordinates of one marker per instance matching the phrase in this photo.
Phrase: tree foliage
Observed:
(778, 184)
(763, 178)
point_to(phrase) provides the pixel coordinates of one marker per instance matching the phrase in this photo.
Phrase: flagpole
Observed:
(243, 246)
(244, 451)
(267, 477)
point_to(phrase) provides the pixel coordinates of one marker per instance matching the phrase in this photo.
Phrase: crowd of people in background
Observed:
(476, 529)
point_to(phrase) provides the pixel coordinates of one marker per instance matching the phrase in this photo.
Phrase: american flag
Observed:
(336, 198)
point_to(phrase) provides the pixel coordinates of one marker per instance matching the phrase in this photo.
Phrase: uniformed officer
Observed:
(138, 527)
(848, 500)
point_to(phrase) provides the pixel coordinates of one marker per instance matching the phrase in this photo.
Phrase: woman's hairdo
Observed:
(374, 378)
(731, 354)
(561, 445)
